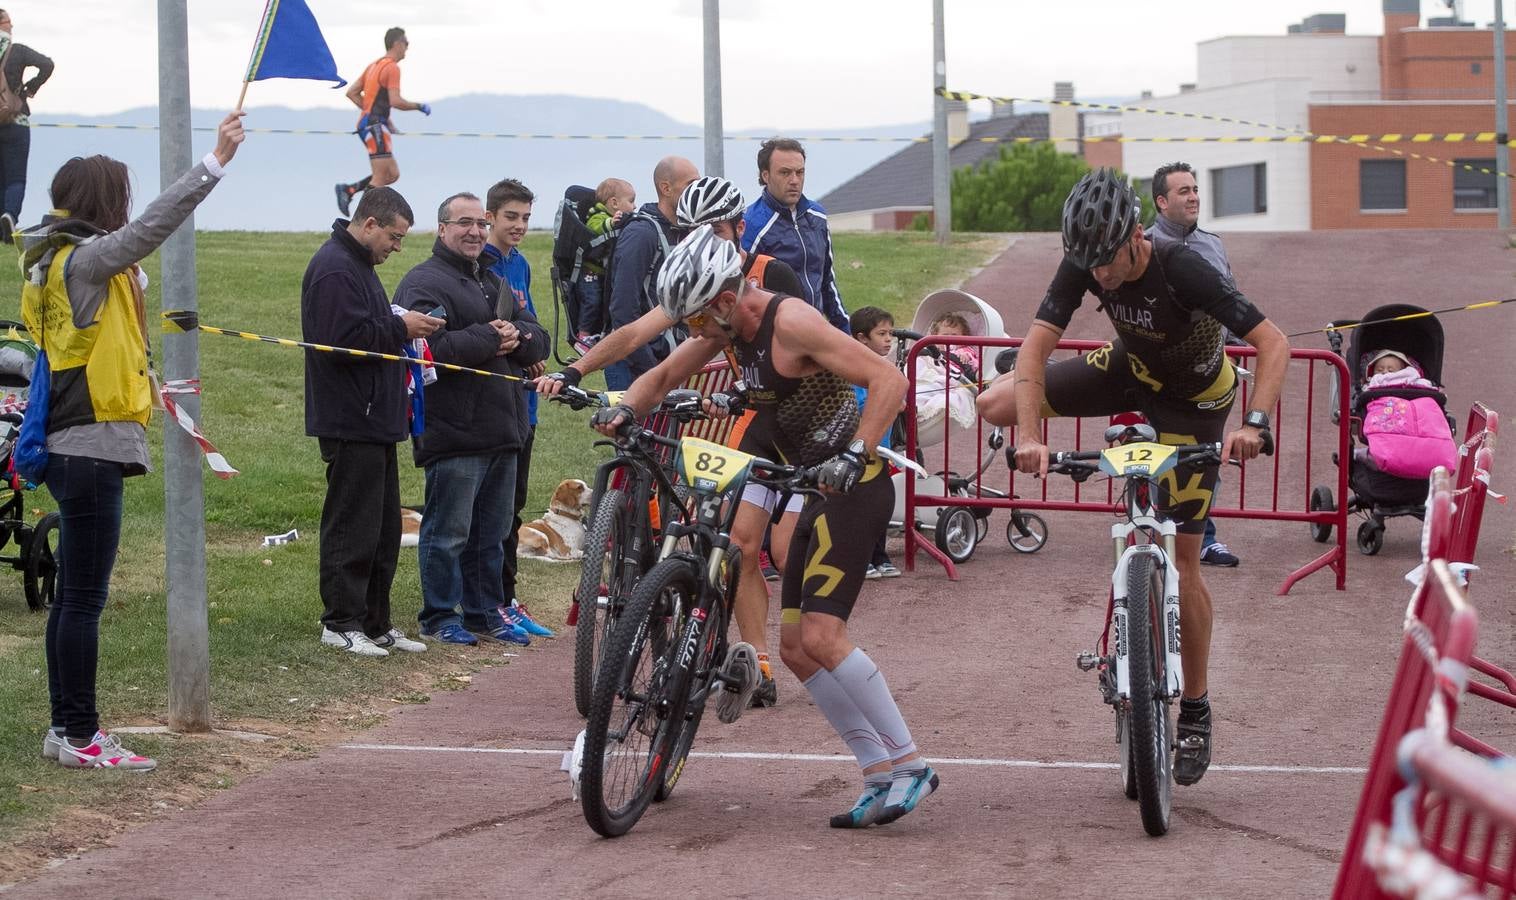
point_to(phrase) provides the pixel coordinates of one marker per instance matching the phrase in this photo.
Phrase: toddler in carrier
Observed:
(1404, 425)
(614, 198)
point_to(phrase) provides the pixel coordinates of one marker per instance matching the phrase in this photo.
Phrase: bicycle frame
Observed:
(1143, 519)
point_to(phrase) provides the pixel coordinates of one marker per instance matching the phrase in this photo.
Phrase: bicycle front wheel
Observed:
(1151, 735)
(598, 576)
(631, 724)
(695, 685)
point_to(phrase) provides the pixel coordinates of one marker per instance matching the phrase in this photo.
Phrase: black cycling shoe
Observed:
(767, 694)
(1192, 755)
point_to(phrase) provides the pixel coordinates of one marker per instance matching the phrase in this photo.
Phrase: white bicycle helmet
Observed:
(694, 272)
(709, 199)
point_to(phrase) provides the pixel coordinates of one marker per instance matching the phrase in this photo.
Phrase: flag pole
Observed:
(242, 96)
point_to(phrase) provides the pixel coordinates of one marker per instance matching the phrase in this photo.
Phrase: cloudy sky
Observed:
(787, 64)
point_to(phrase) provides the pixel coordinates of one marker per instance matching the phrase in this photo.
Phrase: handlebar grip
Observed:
(1268, 442)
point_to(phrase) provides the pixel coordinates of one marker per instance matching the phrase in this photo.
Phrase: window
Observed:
(1239, 190)
(1476, 189)
(1475, 68)
(1381, 184)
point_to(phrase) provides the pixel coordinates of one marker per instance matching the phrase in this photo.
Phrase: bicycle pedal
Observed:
(1087, 661)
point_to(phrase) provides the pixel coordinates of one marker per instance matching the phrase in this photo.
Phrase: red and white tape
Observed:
(213, 457)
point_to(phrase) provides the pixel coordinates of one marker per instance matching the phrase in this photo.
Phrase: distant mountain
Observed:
(283, 182)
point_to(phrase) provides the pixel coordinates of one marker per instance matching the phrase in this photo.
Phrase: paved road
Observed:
(463, 797)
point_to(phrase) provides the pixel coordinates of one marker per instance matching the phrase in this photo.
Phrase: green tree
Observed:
(1020, 189)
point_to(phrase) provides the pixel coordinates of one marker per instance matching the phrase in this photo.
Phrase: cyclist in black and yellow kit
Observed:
(1171, 310)
(800, 374)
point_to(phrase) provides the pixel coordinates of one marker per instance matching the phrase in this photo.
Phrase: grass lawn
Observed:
(268, 672)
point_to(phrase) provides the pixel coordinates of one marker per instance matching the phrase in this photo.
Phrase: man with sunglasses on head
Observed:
(717, 203)
(1171, 309)
(800, 375)
(476, 427)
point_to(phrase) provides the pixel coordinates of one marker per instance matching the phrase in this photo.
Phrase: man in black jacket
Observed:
(476, 426)
(356, 409)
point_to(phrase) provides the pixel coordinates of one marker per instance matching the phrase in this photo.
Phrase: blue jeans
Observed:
(88, 492)
(618, 376)
(469, 504)
(15, 147)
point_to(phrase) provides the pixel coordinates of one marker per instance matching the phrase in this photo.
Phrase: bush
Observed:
(1020, 189)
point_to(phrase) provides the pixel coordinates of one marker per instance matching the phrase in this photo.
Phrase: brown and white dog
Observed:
(410, 526)
(559, 535)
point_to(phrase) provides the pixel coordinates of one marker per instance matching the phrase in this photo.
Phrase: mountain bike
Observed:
(1143, 677)
(669, 652)
(622, 540)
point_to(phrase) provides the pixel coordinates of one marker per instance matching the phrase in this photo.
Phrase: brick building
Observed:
(1411, 79)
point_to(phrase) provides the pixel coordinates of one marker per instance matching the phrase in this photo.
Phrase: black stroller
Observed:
(1380, 495)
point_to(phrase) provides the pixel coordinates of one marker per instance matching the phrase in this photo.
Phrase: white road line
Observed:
(834, 758)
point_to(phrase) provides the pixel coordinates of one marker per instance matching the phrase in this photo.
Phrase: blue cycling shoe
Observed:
(867, 810)
(906, 792)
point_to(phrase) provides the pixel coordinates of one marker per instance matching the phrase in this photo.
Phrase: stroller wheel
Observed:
(1321, 499)
(1370, 537)
(957, 533)
(1026, 532)
(39, 566)
(981, 525)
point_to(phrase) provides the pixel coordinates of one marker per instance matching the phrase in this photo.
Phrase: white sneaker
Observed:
(396, 640)
(51, 741)
(104, 752)
(872, 572)
(352, 641)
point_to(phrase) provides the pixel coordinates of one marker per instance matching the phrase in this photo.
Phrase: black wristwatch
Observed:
(859, 449)
(1256, 419)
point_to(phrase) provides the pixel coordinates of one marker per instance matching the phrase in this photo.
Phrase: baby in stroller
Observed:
(1400, 423)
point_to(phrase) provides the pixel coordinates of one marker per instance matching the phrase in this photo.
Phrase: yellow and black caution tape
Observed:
(513, 136)
(1484, 304)
(1371, 141)
(187, 320)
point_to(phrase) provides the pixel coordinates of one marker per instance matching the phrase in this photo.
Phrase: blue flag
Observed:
(290, 45)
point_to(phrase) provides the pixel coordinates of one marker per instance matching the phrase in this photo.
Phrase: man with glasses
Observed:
(355, 409)
(800, 375)
(475, 428)
(717, 203)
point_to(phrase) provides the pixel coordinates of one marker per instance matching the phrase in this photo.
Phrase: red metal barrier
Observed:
(1461, 820)
(1287, 428)
(1434, 655)
(1475, 458)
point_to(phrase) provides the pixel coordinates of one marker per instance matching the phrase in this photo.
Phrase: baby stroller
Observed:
(946, 389)
(1376, 493)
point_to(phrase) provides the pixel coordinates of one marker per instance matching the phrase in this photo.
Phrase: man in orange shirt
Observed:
(376, 93)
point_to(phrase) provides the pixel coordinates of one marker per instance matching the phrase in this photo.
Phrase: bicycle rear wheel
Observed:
(598, 576)
(630, 727)
(1151, 733)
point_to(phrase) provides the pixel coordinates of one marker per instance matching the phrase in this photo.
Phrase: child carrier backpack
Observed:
(1408, 438)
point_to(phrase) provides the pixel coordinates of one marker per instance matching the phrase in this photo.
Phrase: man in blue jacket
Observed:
(645, 239)
(476, 426)
(508, 207)
(787, 225)
(356, 410)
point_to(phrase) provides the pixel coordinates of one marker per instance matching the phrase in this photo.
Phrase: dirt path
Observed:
(462, 796)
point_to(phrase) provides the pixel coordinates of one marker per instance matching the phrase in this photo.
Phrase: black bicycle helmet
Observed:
(1098, 217)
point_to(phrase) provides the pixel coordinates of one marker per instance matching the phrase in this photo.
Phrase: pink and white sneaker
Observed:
(104, 752)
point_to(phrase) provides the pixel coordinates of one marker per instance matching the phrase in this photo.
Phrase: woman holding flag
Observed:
(83, 303)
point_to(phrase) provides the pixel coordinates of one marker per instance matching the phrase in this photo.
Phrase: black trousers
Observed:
(523, 475)
(360, 535)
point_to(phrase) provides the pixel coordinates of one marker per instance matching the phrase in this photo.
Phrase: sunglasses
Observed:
(698, 320)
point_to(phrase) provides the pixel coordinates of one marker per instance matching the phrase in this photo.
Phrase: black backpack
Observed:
(573, 242)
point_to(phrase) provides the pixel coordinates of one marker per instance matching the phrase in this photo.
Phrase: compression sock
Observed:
(865, 684)
(911, 782)
(846, 719)
(763, 666)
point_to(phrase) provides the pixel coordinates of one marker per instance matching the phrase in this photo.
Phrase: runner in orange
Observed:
(376, 93)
